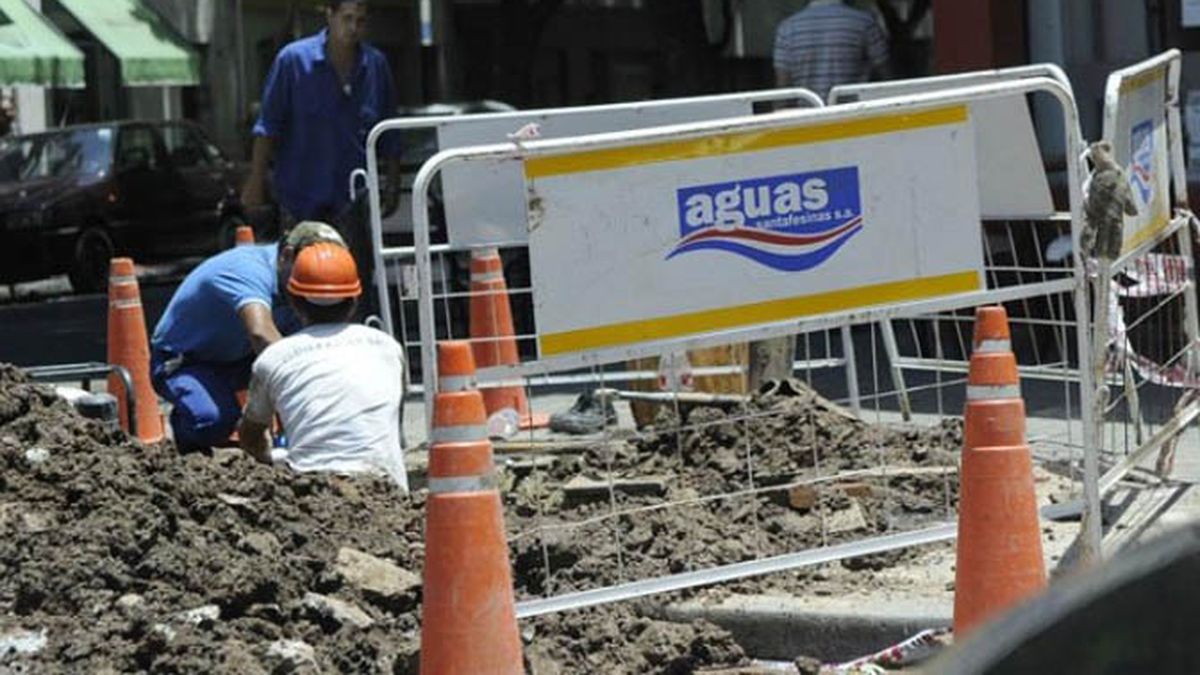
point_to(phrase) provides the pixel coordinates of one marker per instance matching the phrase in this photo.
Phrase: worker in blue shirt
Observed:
(225, 312)
(322, 97)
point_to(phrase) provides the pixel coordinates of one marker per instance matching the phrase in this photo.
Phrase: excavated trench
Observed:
(117, 556)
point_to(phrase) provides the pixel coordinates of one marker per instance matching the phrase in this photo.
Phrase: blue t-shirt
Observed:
(201, 321)
(320, 127)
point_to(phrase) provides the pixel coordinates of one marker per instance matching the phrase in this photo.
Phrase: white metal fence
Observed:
(1146, 299)
(910, 355)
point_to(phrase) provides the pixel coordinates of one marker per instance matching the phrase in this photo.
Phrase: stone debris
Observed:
(374, 575)
(339, 611)
(22, 642)
(201, 616)
(292, 654)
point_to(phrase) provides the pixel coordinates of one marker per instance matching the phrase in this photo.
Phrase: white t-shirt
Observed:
(337, 389)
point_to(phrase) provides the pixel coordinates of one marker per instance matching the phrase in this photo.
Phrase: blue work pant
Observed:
(205, 409)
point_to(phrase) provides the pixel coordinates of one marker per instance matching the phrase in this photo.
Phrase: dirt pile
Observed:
(895, 477)
(120, 557)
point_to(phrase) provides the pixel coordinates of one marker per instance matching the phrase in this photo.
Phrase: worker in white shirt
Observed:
(337, 386)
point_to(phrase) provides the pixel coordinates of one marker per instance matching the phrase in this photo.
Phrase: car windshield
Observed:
(83, 152)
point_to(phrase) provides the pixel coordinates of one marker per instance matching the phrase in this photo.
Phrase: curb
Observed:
(778, 627)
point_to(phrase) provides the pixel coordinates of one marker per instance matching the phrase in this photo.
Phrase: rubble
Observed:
(158, 562)
(140, 559)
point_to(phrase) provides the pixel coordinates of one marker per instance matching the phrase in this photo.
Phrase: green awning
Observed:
(32, 51)
(151, 54)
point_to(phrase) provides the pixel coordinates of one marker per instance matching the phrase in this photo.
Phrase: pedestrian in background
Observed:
(829, 43)
(322, 97)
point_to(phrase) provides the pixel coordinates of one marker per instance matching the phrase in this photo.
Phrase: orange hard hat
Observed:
(324, 271)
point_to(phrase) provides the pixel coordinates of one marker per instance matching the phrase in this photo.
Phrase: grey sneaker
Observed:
(586, 416)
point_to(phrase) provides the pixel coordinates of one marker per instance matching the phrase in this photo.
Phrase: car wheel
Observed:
(227, 234)
(89, 264)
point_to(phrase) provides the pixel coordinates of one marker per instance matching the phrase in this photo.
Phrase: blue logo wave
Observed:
(790, 223)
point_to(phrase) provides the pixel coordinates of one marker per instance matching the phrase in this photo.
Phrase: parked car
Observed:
(72, 198)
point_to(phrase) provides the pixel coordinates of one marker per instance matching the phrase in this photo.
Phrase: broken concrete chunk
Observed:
(168, 634)
(523, 465)
(130, 604)
(292, 654)
(846, 520)
(234, 500)
(375, 575)
(582, 488)
(22, 641)
(340, 611)
(201, 616)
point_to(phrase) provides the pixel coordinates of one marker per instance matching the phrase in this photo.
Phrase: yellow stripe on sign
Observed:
(1142, 79)
(771, 311)
(1148, 232)
(733, 143)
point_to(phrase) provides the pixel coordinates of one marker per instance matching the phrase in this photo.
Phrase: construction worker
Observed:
(225, 312)
(337, 386)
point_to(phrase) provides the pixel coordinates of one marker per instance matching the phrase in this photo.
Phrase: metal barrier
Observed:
(556, 353)
(75, 372)
(1147, 304)
(1145, 300)
(1020, 222)
(391, 263)
(509, 153)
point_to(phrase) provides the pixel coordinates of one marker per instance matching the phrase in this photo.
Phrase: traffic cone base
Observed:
(468, 613)
(999, 535)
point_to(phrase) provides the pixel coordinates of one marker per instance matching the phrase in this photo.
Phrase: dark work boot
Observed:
(586, 416)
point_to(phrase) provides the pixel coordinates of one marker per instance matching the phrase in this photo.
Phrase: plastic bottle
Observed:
(503, 423)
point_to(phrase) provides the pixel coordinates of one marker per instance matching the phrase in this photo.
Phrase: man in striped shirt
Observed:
(829, 43)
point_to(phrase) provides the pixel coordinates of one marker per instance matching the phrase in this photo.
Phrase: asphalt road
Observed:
(45, 323)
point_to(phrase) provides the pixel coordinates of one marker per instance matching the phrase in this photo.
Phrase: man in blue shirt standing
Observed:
(322, 97)
(224, 313)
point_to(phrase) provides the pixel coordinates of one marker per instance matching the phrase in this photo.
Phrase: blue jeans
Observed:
(205, 409)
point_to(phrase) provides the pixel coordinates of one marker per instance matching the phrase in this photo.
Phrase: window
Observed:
(188, 148)
(85, 152)
(136, 149)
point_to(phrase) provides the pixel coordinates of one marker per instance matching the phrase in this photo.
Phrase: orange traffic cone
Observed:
(999, 537)
(128, 346)
(468, 619)
(492, 334)
(244, 236)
